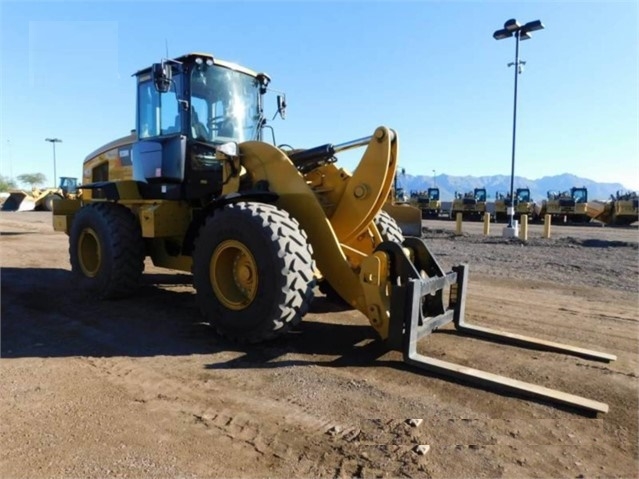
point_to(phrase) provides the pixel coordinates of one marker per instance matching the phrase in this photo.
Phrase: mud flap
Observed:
(418, 309)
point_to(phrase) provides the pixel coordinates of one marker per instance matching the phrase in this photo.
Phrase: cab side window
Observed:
(158, 113)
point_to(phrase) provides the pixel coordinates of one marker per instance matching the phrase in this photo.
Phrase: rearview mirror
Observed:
(162, 76)
(281, 106)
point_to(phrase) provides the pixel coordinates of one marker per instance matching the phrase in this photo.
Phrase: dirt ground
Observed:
(141, 388)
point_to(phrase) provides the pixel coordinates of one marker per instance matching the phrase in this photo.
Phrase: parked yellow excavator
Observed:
(195, 188)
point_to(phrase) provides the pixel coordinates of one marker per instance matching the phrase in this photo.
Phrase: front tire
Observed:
(49, 199)
(253, 271)
(388, 228)
(106, 250)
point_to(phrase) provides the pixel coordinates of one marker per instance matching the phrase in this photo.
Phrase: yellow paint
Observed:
(547, 221)
(458, 223)
(233, 275)
(343, 242)
(523, 231)
(164, 219)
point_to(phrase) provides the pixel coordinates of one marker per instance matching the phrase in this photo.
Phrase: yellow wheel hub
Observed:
(233, 275)
(89, 253)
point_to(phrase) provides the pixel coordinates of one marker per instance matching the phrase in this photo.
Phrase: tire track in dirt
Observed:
(268, 426)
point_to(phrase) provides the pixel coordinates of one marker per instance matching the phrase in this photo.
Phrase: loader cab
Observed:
(68, 185)
(400, 195)
(186, 108)
(579, 195)
(480, 194)
(523, 195)
(433, 194)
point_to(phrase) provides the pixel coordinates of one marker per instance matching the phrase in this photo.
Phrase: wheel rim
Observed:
(89, 252)
(233, 275)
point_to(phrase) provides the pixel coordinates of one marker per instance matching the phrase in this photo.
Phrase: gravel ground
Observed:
(141, 387)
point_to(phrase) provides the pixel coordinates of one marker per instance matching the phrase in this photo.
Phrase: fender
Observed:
(200, 217)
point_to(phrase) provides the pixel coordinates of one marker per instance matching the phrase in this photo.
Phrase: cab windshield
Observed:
(523, 196)
(580, 195)
(224, 105)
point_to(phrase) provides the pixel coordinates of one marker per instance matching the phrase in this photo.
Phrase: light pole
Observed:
(434, 180)
(53, 142)
(512, 28)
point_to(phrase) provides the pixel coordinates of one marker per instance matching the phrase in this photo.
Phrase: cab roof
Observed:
(190, 58)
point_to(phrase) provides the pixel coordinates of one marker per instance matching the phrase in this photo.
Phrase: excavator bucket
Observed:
(407, 217)
(19, 201)
(418, 308)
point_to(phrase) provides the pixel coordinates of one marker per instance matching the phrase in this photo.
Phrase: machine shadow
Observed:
(44, 314)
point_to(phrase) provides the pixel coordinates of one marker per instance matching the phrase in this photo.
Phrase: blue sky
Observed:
(430, 70)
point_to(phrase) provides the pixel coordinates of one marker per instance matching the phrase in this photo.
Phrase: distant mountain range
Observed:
(501, 183)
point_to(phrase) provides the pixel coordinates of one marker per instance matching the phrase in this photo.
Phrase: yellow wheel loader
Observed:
(567, 206)
(400, 209)
(428, 202)
(524, 205)
(621, 210)
(472, 204)
(40, 198)
(624, 208)
(196, 189)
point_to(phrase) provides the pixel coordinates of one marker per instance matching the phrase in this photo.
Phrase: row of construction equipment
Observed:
(259, 226)
(570, 206)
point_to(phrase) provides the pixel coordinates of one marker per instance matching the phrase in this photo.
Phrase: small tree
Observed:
(32, 179)
(6, 183)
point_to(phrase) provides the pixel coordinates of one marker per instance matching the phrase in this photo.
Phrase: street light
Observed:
(434, 180)
(512, 28)
(53, 142)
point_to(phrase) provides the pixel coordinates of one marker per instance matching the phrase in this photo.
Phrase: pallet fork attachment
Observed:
(417, 309)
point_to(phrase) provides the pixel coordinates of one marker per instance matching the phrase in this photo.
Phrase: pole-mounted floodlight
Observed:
(533, 26)
(53, 141)
(512, 25)
(512, 28)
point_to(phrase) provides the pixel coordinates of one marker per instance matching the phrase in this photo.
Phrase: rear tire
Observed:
(106, 250)
(253, 271)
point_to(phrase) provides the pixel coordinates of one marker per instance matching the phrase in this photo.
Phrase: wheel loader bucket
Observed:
(598, 211)
(18, 201)
(407, 217)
